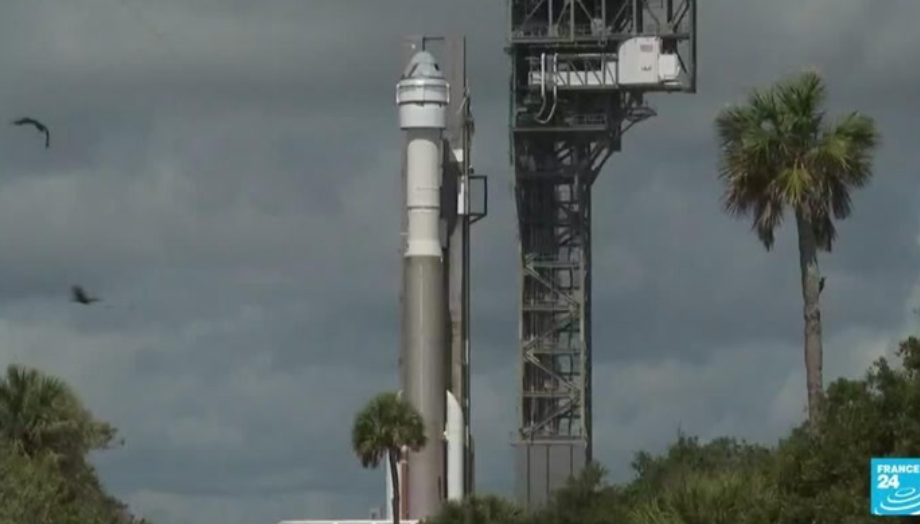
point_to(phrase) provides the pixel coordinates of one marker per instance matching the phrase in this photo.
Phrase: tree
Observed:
(28, 488)
(586, 498)
(387, 426)
(36, 490)
(46, 435)
(714, 497)
(816, 475)
(778, 155)
(40, 413)
(724, 480)
(822, 476)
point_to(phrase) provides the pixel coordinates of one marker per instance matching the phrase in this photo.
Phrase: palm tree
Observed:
(779, 154)
(42, 414)
(386, 426)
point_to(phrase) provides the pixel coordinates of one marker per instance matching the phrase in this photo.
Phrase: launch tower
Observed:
(580, 70)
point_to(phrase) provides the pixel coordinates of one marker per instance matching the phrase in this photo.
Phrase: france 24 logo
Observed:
(895, 486)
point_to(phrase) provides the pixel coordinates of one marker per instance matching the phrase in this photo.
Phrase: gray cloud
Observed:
(226, 177)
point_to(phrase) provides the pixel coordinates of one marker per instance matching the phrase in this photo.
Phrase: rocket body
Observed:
(424, 385)
(422, 96)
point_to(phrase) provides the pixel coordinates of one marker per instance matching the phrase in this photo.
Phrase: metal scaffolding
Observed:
(580, 71)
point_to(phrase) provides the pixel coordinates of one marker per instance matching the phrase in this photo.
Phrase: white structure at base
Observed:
(454, 435)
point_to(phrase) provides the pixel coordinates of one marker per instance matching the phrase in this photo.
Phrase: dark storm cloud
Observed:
(225, 175)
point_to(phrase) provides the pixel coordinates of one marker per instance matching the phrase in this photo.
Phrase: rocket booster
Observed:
(422, 97)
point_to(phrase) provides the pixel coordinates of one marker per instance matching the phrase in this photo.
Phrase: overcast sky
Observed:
(225, 174)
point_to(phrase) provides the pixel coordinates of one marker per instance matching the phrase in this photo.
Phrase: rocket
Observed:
(435, 472)
(435, 286)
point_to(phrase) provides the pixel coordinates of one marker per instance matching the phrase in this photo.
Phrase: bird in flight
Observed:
(80, 296)
(42, 128)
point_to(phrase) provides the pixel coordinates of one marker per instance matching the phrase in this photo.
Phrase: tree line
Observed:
(46, 436)
(779, 156)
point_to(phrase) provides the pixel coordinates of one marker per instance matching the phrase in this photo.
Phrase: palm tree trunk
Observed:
(814, 351)
(393, 457)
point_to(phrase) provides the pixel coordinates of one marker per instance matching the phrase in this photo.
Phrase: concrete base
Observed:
(544, 467)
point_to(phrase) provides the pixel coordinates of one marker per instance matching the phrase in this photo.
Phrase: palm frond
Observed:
(801, 100)
(40, 414)
(777, 153)
(386, 425)
(845, 149)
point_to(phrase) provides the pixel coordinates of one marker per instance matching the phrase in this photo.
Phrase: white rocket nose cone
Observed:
(422, 94)
(423, 65)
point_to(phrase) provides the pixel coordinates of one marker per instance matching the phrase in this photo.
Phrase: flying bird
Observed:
(80, 296)
(42, 128)
(821, 285)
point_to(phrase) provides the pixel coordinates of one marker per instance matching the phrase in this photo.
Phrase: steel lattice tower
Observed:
(579, 73)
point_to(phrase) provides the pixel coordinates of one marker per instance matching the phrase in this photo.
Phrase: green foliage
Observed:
(687, 455)
(45, 436)
(724, 480)
(816, 475)
(386, 424)
(720, 497)
(42, 414)
(810, 477)
(585, 499)
(480, 509)
(385, 428)
(779, 153)
(823, 475)
(28, 488)
(35, 489)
